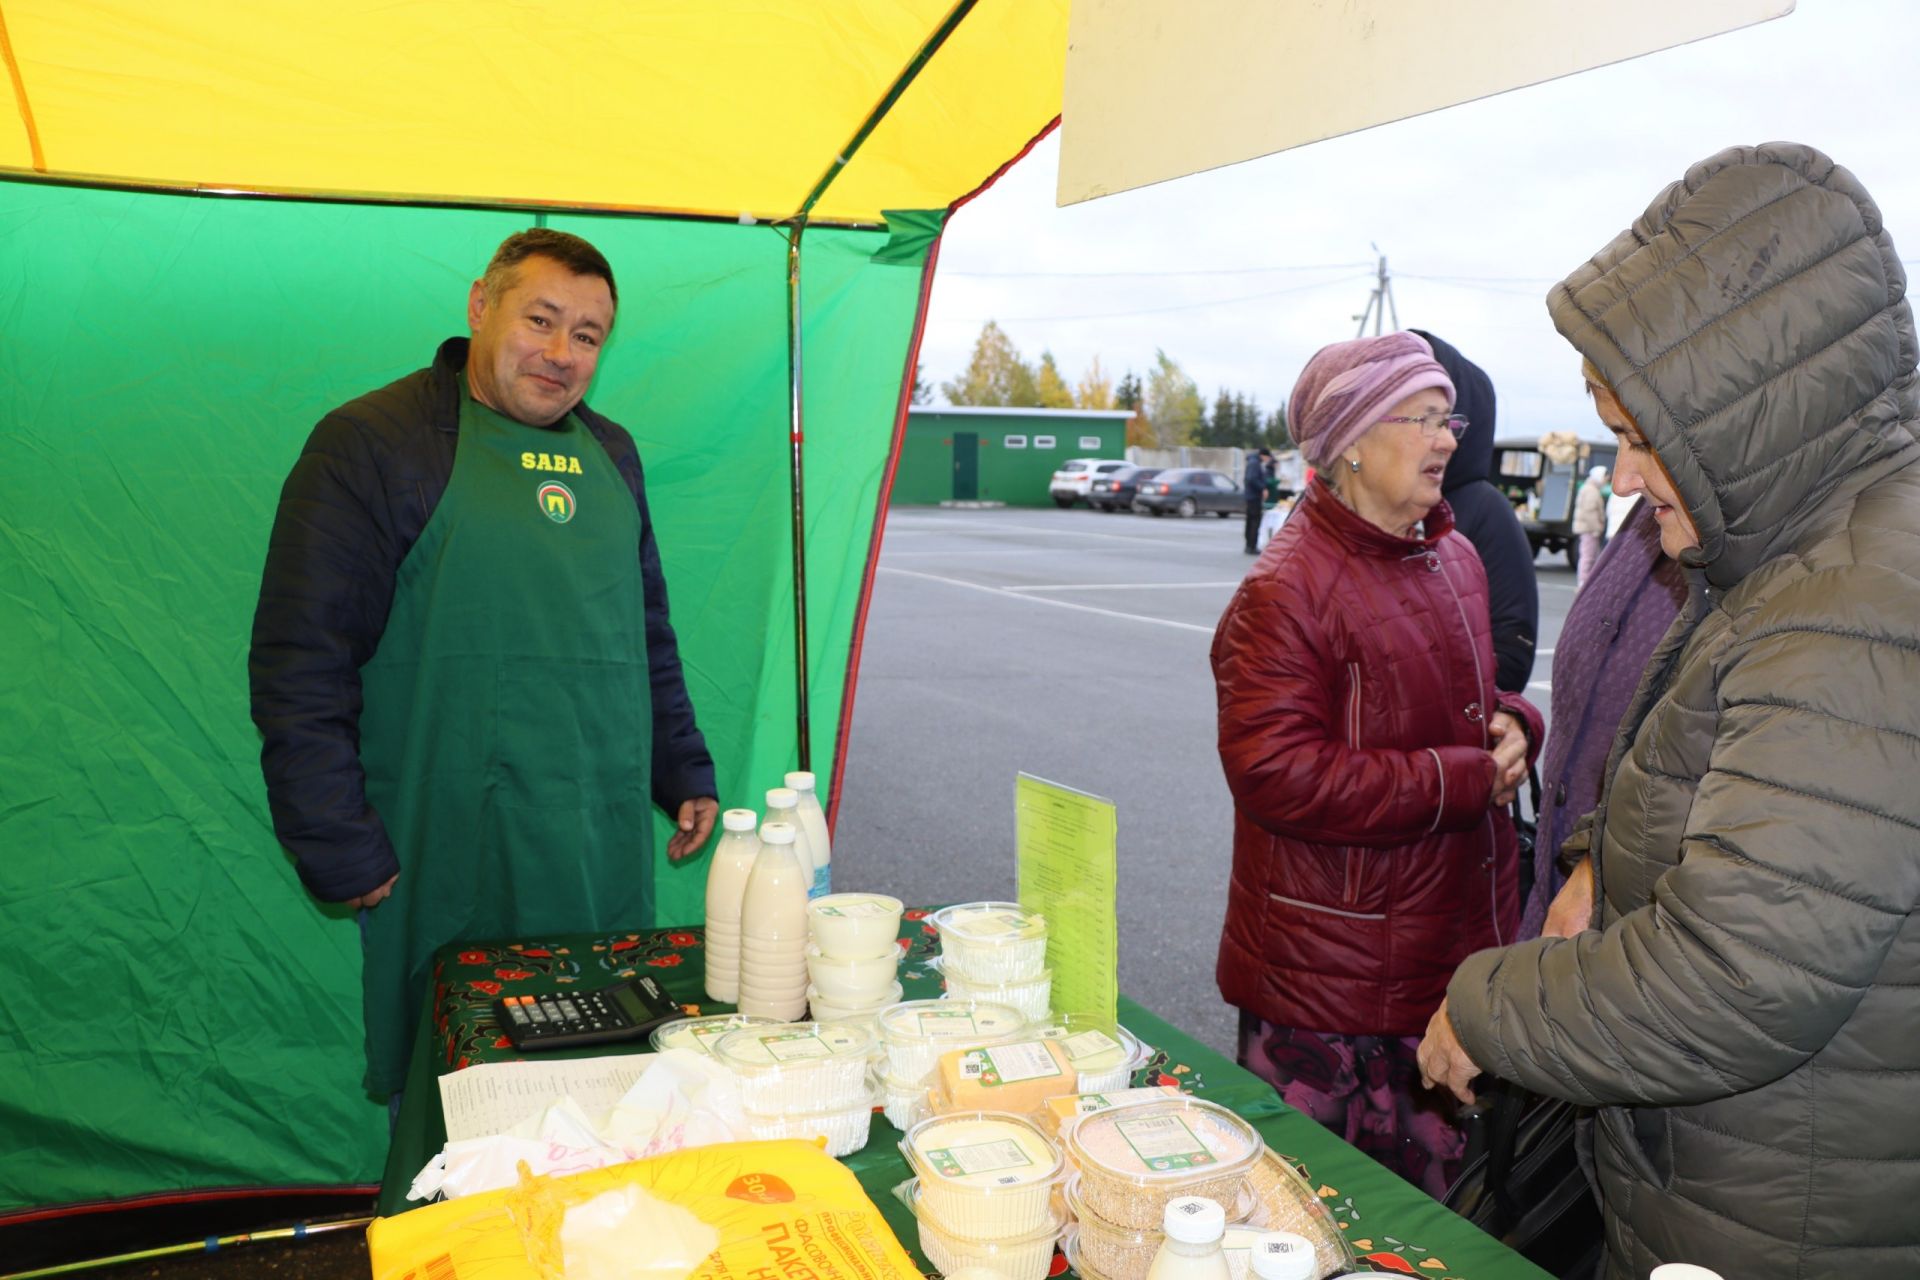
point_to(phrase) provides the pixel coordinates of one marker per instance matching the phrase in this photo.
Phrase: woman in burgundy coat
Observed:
(1371, 761)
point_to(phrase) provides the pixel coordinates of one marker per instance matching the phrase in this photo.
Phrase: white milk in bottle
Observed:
(1282, 1255)
(813, 820)
(1194, 1226)
(783, 805)
(773, 930)
(727, 874)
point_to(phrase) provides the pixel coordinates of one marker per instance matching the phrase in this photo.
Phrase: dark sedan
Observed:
(1117, 491)
(1187, 491)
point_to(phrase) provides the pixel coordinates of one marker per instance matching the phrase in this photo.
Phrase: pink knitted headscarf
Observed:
(1348, 386)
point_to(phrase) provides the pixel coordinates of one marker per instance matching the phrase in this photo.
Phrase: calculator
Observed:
(564, 1019)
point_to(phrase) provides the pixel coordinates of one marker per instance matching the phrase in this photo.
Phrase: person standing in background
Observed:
(1590, 522)
(1486, 517)
(1259, 471)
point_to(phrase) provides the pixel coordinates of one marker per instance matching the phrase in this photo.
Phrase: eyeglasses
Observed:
(1431, 424)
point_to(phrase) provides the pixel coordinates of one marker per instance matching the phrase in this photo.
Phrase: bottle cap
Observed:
(1682, 1271)
(1282, 1255)
(776, 833)
(1194, 1220)
(782, 798)
(740, 820)
(801, 781)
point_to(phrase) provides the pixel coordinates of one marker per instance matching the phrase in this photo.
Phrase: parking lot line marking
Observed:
(1145, 535)
(1124, 586)
(1058, 604)
(1541, 684)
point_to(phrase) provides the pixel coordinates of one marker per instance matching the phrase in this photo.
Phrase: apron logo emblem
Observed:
(556, 502)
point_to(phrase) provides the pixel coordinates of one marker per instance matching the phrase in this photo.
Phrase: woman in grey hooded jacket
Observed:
(1745, 1011)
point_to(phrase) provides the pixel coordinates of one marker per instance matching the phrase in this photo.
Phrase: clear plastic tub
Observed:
(991, 942)
(985, 1175)
(1033, 997)
(1105, 1054)
(904, 1102)
(799, 1068)
(854, 924)
(844, 1131)
(917, 1032)
(866, 1014)
(1133, 1160)
(1124, 1253)
(1283, 1201)
(860, 981)
(700, 1033)
(1025, 1257)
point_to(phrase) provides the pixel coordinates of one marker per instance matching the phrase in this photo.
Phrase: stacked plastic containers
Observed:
(913, 1035)
(699, 1034)
(773, 930)
(996, 951)
(803, 1080)
(853, 955)
(1103, 1054)
(985, 1193)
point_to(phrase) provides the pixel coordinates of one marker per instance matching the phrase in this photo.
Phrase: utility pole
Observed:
(1380, 302)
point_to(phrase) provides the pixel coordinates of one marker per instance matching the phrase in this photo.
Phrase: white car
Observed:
(1074, 479)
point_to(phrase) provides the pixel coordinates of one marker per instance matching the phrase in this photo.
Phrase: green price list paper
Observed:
(1066, 846)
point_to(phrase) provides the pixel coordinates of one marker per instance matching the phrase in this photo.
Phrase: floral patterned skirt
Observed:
(1366, 1089)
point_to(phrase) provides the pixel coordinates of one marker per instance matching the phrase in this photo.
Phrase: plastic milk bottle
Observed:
(1191, 1251)
(727, 874)
(773, 930)
(813, 820)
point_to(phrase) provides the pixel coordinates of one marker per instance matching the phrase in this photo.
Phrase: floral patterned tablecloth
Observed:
(1393, 1227)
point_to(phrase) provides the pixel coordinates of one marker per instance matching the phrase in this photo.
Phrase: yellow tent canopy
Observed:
(718, 108)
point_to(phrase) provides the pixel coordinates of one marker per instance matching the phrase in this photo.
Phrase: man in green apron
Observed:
(463, 671)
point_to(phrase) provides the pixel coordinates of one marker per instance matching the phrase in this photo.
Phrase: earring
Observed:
(1353, 465)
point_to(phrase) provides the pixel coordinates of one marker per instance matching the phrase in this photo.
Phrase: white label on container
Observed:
(980, 1157)
(705, 1035)
(1012, 1063)
(1092, 1102)
(945, 1023)
(990, 924)
(1164, 1143)
(1089, 1043)
(802, 1044)
(856, 910)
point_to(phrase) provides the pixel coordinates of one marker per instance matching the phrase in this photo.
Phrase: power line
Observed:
(1185, 306)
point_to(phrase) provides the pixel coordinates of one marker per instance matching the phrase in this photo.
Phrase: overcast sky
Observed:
(1240, 274)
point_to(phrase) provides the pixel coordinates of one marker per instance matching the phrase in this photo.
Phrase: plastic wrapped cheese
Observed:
(1018, 1076)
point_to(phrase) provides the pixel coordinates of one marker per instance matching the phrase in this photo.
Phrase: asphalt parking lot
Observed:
(1071, 645)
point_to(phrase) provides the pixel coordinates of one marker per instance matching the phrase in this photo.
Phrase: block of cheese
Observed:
(1063, 1110)
(1018, 1077)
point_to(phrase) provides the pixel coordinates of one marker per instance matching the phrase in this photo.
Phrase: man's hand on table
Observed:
(374, 897)
(695, 825)
(1443, 1061)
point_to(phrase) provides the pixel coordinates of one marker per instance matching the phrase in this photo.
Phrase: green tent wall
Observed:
(194, 1018)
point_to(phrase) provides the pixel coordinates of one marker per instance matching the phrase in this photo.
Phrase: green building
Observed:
(998, 455)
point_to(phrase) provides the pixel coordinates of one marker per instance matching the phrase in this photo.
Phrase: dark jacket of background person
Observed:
(313, 630)
(1747, 1014)
(1623, 609)
(1483, 514)
(1355, 677)
(1253, 483)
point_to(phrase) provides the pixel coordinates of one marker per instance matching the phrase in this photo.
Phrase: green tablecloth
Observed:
(1393, 1226)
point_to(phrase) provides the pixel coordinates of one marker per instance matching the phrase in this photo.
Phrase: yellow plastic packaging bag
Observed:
(778, 1209)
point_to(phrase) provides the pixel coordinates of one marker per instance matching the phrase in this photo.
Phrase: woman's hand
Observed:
(1444, 1063)
(1572, 911)
(1509, 757)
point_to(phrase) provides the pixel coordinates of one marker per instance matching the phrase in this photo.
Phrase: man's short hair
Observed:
(569, 250)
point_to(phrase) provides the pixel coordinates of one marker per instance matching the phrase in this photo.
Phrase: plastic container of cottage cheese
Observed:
(984, 1175)
(864, 980)
(953, 1254)
(905, 1103)
(844, 1132)
(1033, 996)
(1105, 1054)
(854, 925)
(700, 1033)
(866, 1014)
(1133, 1160)
(989, 943)
(799, 1068)
(917, 1032)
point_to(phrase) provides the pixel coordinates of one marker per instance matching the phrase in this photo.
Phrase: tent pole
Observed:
(803, 719)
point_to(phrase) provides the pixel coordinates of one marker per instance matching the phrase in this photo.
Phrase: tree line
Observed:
(1168, 409)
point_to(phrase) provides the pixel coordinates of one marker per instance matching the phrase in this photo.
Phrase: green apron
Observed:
(508, 724)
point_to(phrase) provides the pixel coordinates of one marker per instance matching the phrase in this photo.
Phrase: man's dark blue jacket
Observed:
(363, 489)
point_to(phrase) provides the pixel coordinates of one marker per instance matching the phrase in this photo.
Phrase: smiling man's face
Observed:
(535, 347)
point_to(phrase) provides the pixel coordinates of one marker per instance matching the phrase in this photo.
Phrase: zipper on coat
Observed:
(1477, 710)
(1332, 911)
(1353, 705)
